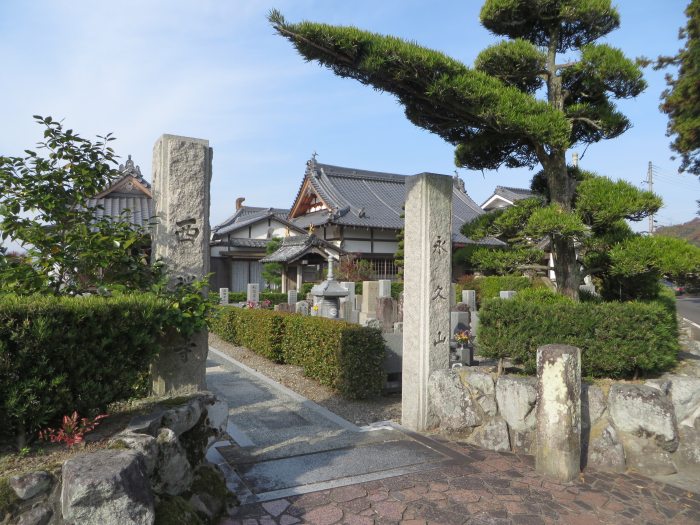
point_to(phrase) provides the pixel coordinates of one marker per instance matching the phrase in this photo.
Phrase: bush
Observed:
(242, 297)
(344, 356)
(490, 287)
(60, 354)
(617, 340)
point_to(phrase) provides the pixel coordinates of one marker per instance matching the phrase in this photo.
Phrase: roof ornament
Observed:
(361, 212)
(458, 182)
(129, 168)
(311, 229)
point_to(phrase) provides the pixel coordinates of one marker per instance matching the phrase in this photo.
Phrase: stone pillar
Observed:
(292, 296)
(384, 288)
(350, 287)
(181, 178)
(509, 294)
(300, 278)
(223, 295)
(427, 276)
(370, 289)
(469, 297)
(558, 434)
(253, 293)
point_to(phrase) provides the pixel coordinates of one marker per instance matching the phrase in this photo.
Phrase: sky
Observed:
(216, 70)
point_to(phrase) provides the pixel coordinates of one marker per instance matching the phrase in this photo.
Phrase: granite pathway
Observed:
(320, 469)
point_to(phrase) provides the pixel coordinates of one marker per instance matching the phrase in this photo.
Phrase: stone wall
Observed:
(651, 427)
(156, 465)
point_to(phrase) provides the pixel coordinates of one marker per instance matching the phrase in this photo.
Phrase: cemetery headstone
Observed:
(384, 288)
(427, 275)
(509, 294)
(370, 290)
(223, 295)
(469, 297)
(302, 307)
(253, 293)
(292, 296)
(181, 179)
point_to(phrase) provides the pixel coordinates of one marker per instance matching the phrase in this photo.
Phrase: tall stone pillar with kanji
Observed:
(427, 277)
(181, 179)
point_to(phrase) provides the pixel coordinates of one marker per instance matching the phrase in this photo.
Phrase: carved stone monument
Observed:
(384, 288)
(469, 297)
(427, 274)
(292, 296)
(223, 295)
(253, 295)
(181, 178)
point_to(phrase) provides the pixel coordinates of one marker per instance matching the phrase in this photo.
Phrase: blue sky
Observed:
(216, 70)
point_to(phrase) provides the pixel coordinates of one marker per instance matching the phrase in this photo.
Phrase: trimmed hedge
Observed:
(490, 287)
(242, 297)
(63, 354)
(343, 356)
(617, 340)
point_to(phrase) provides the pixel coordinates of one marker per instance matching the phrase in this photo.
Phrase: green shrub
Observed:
(258, 330)
(617, 340)
(60, 354)
(396, 289)
(273, 297)
(343, 356)
(306, 289)
(490, 287)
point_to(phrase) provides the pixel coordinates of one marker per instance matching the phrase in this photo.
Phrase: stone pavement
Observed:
(294, 462)
(493, 488)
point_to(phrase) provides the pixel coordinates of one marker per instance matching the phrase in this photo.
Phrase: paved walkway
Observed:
(320, 469)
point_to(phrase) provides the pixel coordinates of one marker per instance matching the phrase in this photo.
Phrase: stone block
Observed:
(469, 297)
(26, 486)
(688, 452)
(593, 404)
(180, 367)
(370, 292)
(302, 307)
(643, 455)
(145, 444)
(604, 449)
(481, 387)
(451, 407)
(109, 487)
(458, 321)
(39, 515)
(350, 287)
(394, 352)
(253, 293)
(685, 396)
(643, 411)
(493, 435)
(292, 296)
(173, 473)
(383, 288)
(516, 398)
(386, 312)
(558, 436)
(223, 296)
(508, 294)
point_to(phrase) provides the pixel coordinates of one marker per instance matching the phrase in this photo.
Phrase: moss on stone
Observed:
(195, 440)
(8, 498)
(118, 444)
(175, 510)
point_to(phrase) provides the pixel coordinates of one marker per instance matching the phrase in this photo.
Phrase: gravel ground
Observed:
(359, 412)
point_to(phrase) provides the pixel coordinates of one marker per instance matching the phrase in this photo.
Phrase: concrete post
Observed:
(558, 452)
(427, 275)
(384, 288)
(223, 295)
(469, 297)
(253, 293)
(292, 297)
(181, 178)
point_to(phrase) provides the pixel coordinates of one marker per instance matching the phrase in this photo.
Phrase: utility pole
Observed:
(650, 182)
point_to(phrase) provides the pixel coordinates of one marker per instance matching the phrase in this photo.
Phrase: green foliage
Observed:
(601, 201)
(353, 269)
(553, 221)
(44, 206)
(515, 63)
(343, 356)
(503, 261)
(681, 100)
(490, 287)
(60, 354)
(273, 297)
(176, 510)
(272, 272)
(618, 340)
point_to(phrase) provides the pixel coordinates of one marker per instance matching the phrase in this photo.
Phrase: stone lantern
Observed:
(327, 294)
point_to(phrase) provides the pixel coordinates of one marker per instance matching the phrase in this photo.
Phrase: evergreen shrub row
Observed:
(343, 356)
(490, 287)
(60, 354)
(273, 297)
(617, 339)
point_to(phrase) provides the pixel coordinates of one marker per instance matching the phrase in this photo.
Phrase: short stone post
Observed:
(427, 275)
(253, 293)
(181, 178)
(509, 294)
(558, 439)
(370, 290)
(292, 297)
(223, 295)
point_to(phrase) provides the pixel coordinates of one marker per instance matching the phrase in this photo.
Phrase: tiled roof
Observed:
(295, 247)
(247, 215)
(513, 194)
(246, 243)
(372, 199)
(140, 208)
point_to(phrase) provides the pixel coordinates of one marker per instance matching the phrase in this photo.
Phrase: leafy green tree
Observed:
(44, 207)
(492, 113)
(681, 100)
(272, 272)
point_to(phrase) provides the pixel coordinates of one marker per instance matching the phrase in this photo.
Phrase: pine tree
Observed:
(493, 113)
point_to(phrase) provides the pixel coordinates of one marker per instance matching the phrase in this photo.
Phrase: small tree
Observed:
(352, 269)
(272, 272)
(44, 207)
(492, 113)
